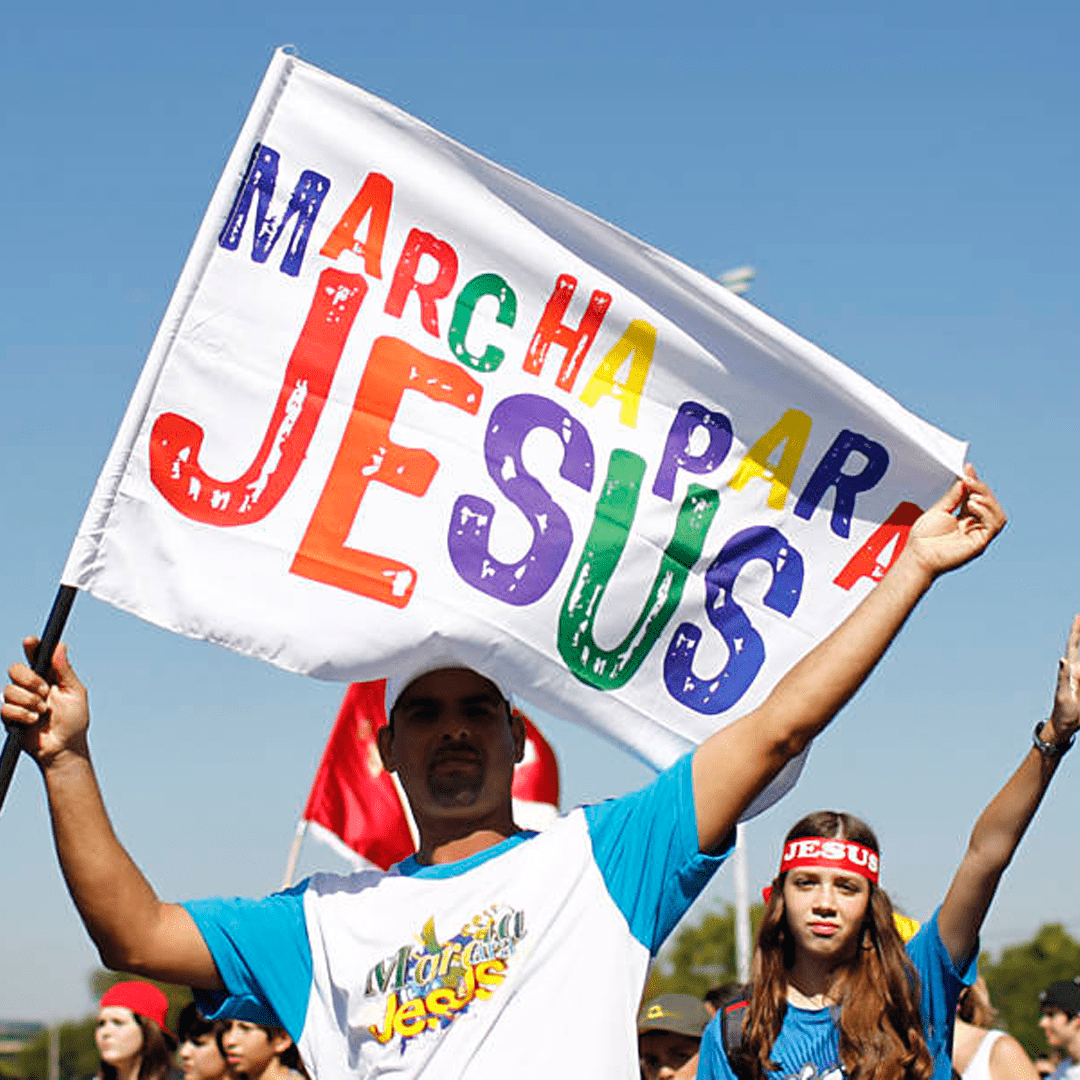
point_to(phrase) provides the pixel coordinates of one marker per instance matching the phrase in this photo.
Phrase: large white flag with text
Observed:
(404, 400)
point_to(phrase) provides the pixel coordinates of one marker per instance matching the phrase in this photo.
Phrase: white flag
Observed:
(403, 400)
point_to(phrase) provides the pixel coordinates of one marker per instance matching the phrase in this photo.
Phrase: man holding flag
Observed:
(491, 948)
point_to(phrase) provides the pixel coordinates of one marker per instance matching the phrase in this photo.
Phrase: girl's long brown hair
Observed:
(881, 1035)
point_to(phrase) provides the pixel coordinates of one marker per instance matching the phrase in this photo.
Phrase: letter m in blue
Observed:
(304, 204)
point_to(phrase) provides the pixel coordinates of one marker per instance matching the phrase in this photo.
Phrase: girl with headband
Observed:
(132, 1040)
(834, 991)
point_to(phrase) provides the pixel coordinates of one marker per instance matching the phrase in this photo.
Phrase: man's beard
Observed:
(456, 787)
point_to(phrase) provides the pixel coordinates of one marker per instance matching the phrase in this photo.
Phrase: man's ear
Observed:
(517, 733)
(384, 738)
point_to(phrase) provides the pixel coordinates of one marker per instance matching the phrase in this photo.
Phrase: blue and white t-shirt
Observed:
(523, 960)
(808, 1046)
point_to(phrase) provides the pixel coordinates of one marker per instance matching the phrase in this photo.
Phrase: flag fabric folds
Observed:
(404, 402)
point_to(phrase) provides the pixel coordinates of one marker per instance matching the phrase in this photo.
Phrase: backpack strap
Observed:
(731, 1025)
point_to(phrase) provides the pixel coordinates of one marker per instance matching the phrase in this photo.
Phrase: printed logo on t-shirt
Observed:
(429, 984)
(810, 1072)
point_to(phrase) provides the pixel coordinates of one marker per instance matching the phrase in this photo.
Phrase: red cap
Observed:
(142, 998)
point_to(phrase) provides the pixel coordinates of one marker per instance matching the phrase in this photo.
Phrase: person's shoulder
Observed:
(1008, 1059)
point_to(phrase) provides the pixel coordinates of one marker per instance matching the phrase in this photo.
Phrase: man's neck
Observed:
(1072, 1044)
(436, 849)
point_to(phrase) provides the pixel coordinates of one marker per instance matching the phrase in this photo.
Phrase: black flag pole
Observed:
(50, 638)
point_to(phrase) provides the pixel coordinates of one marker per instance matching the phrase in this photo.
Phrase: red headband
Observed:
(832, 854)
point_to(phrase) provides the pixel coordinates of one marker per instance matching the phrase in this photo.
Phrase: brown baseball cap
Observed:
(681, 1013)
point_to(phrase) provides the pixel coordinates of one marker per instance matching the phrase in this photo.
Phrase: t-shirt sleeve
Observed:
(712, 1061)
(940, 983)
(263, 956)
(646, 847)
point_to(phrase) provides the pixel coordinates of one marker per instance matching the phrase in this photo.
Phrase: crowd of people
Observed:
(450, 964)
(134, 1042)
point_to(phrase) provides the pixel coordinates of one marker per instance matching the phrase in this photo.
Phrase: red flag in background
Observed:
(536, 780)
(353, 797)
(359, 804)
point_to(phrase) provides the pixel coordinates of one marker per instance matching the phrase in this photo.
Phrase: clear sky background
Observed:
(906, 186)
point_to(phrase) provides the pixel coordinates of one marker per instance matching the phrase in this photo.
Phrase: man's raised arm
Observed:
(133, 930)
(733, 766)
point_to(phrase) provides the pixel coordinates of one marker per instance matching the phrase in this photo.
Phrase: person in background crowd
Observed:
(669, 1035)
(1046, 1064)
(201, 1057)
(133, 1042)
(834, 991)
(1059, 1005)
(259, 1051)
(718, 996)
(979, 1052)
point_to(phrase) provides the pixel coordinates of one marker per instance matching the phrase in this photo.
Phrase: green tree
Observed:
(1021, 972)
(78, 1055)
(700, 956)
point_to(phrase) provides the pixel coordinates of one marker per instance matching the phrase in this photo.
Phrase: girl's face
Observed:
(200, 1058)
(118, 1036)
(249, 1048)
(825, 910)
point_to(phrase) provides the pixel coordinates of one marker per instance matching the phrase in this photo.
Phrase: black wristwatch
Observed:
(1050, 749)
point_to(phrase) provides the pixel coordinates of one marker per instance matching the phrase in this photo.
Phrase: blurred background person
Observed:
(980, 1052)
(132, 1039)
(201, 1057)
(1059, 1005)
(1046, 1064)
(669, 1036)
(719, 996)
(260, 1052)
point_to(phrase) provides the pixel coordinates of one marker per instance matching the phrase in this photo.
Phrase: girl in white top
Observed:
(980, 1052)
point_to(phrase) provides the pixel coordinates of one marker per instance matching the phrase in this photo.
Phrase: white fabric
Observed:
(554, 886)
(187, 529)
(978, 1068)
(422, 665)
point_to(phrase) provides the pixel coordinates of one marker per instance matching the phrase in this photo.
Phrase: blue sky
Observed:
(905, 186)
